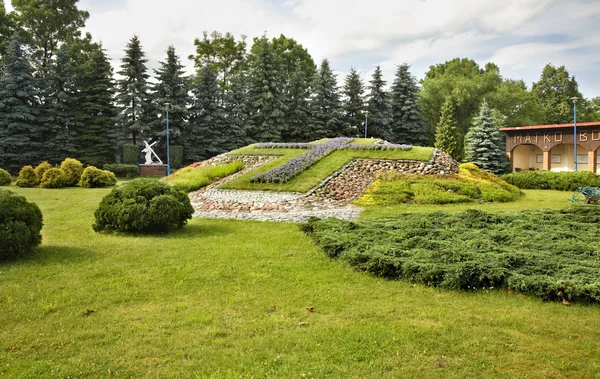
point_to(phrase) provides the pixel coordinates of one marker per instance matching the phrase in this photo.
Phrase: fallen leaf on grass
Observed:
(311, 309)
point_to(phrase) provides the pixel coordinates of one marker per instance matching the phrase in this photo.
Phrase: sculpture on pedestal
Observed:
(149, 152)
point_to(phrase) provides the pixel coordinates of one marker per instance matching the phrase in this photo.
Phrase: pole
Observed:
(168, 147)
(366, 123)
(575, 132)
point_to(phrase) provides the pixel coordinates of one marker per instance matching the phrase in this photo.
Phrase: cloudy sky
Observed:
(520, 36)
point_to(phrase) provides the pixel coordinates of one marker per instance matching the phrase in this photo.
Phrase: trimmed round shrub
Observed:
(27, 178)
(73, 170)
(143, 206)
(5, 178)
(93, 177)
(20, 225)
(41, 169)
(53, 178)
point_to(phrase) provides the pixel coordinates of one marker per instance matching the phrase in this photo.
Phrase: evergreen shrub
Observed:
(128, 171)
(73, 169)
(41, 169)
(560, 181)
(27, 178)
(5, 178)
(176, 153)
(20, 225)
(130, 154)
(143, 206)
(93, 177)
(53, 178)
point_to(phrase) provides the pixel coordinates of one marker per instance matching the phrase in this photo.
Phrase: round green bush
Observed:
(143, 206)
(20, 225)
(5, 178)
(53, 178)
(73, 170)
(27, 178)
(41, 169)
(93, 177)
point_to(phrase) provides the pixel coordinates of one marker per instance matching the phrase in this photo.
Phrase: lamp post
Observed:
(168, 147)
(574, 99)
(366, 123)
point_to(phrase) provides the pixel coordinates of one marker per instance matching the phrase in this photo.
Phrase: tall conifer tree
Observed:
(408, 125)
(298, 113)
(20, 128)
(482, 143)
(354, 103)
(326, 107)
(446, 135)
(133, 98)
(235, 104)
(379, 107)
(97, 112)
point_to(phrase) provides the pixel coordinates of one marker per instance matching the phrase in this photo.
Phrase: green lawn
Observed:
(229, 298)
(317, 173)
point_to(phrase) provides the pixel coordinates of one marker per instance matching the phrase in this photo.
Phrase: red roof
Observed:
(553, 126)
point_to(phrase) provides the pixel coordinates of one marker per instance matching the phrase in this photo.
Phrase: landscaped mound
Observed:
(20, 225)
(560, 181)
(552, 254)
(192, 179)
(143, 206)
(471, 184)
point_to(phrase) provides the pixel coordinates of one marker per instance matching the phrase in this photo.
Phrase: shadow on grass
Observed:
(52, 255)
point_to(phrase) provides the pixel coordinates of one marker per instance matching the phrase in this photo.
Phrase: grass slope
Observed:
(317, 173)
(228, 299)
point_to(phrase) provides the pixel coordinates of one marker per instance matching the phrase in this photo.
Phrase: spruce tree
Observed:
(235, 104)
(207, 128)
(379, 107)
(96, 111)
(133, 98)
(172, 87)
(446, 137)
(298, 113)
(354, 102)
(408, 125)
(481, 143)
(20, 128)
(266, 106)
(60, 107)
(325, 106)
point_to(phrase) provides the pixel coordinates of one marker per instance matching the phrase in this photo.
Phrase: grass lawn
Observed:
(317, 173)
(229, 298)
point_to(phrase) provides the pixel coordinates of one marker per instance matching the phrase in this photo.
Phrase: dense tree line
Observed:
(59, 95)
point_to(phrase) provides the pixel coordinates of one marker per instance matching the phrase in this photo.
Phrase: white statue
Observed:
(149, 152)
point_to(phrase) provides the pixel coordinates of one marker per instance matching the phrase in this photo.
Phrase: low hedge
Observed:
(143, 206)
(93, 177)
(560, 181)
(127, 171)
(5, 178)
(20, 225)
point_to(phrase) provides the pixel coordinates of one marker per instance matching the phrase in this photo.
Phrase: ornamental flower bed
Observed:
(315, 153)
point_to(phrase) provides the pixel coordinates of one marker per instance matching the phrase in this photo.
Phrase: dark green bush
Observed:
(130, 154)
(5, 178)
(53, 178)
(176, 153)
(41, 169)
(143, 206)
(128, 171)
(27, 178)
(20, 225)
(93, 177)
(552, 254)
(560, 181)
(73, 170)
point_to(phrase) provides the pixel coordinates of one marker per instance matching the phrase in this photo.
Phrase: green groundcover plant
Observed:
(20, 225)
(552, 254)
(192, 179)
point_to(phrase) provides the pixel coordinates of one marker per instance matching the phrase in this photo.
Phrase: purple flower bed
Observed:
(277, 145)
(377, 147)
(295, 166)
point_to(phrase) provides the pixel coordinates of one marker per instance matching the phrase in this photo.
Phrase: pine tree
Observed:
(266, 106)
(133, 99)
(481, 143)
(96, 111)
(379, 107)
(20, 127)
(446, 137)
(298, 113)
(408, 125)
(172, 87)
(325, 106)
(208, 134)
(60, 107)
(354, 104)
(235, 104)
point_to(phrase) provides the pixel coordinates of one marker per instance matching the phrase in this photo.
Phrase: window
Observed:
(582, 158)
(556, 158)
(539, 158)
